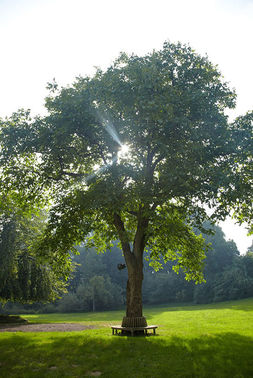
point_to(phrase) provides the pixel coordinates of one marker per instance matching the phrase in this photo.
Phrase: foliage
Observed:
(169, 109)
(23, 277)
(228, 276)
(227, 273)
(97, 294)
(243, 173)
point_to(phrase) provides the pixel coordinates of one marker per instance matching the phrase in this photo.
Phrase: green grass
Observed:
(193, 341)
(97, 318)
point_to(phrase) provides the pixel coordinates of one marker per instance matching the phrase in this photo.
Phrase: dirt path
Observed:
(52, 327)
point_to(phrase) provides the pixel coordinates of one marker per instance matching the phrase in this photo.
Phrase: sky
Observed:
(46, 39)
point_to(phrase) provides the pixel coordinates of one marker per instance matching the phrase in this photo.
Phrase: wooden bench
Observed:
(133, 329)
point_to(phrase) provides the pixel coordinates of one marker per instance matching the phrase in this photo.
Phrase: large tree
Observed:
(137, 154)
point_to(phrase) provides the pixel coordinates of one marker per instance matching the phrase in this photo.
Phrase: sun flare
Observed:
(124, 149)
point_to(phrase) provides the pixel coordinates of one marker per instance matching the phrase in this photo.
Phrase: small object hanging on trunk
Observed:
(121, 266)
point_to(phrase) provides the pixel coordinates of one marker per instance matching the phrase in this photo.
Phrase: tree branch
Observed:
(73, 174)
(101, 153)
(160, 158)
(64, 173)
(123, 237)
(139, 240)
(132, 212)
(154, 206)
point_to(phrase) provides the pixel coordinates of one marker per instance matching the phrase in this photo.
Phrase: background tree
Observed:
(228, 276)
(23, 277)
(134, 154)
(95, 285)
(248, 259)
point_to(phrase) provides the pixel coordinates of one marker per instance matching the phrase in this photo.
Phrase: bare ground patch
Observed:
(52, 327)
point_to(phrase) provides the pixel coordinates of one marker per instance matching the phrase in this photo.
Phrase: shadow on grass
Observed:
(91, 353)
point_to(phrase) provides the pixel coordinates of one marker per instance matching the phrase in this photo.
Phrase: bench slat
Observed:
(133, 329)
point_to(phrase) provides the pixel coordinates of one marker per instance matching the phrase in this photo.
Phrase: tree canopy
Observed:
(136, 153)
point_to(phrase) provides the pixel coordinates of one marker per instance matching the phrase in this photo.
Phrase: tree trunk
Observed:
(134, 263)
(134, 294)
(134, 316)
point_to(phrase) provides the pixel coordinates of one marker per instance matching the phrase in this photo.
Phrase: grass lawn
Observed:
(193, 341)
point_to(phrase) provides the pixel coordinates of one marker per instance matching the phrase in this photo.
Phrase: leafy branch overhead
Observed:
(166, 110)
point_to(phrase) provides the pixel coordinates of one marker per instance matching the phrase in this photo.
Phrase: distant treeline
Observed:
(97, 284)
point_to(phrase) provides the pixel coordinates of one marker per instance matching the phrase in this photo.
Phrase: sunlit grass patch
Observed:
(97, 318)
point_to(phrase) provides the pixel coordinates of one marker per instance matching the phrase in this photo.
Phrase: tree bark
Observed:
(134, 292)
(134, 262)
(134, 316)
